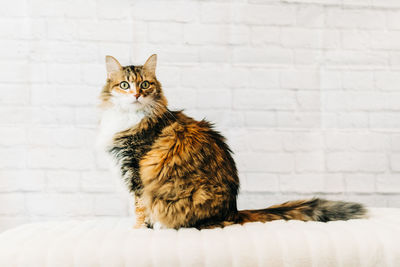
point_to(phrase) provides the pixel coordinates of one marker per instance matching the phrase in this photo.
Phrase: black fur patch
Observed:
(130, 149)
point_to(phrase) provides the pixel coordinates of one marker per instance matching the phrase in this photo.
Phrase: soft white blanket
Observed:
(112, 242)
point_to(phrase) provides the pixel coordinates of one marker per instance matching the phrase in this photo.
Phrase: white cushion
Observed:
(113, 242)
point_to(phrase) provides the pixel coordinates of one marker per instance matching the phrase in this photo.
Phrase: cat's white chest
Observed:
(115, 120)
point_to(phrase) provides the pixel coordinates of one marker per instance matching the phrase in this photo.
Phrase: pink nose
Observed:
(137, 96)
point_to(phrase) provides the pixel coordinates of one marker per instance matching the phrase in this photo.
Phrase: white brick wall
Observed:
(306, 91)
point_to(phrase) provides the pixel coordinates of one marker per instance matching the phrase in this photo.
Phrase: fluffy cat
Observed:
(181, 170)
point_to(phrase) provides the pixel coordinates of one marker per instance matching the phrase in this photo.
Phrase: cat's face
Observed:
(133, 87)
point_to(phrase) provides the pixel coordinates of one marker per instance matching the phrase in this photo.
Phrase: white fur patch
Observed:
(124, 114)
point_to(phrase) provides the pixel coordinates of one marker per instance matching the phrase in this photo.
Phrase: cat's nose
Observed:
(137, 96)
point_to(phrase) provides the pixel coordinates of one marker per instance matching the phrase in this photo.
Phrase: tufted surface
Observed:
(112, 242)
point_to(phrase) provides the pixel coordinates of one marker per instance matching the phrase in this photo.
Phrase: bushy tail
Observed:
(306, 210)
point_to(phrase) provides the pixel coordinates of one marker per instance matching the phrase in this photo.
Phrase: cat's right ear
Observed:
(112, 65)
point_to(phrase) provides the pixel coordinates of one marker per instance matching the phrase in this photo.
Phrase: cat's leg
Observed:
(140, 212)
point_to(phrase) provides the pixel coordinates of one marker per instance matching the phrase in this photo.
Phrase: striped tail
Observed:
(305, 210)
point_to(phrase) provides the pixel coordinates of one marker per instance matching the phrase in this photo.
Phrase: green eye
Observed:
(145, 85)
(124, 85)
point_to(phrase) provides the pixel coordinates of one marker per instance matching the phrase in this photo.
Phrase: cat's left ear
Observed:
(112, 65)
(151, 64)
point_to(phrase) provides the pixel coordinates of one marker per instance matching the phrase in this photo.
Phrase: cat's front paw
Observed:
(139, 226)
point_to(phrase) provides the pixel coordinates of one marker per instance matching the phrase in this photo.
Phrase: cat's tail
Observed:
(315, 209)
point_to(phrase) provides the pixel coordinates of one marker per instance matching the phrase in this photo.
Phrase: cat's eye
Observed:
(124, 85)
(145, 85)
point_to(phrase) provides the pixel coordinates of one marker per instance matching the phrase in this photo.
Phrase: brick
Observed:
(385, 3)
(310, 16)
(41, 8)
(170, 33)
(52, 115)
(393, 20)
(264, 79)
(79, 9)
(307, 57)
(356, 162)
(62, 181)
(120, 51)
(265, 15)
(215, 54)
(21, 180)
(384, 120)
(265, 141)
(356, 59)
(358, 120)
(238, 77)
(194, 77)
(109, 10)
(14, 94)
(395, 162)
(259, 182)
(303, 141)
(216, 13)
(389, 40)
(265, 35)
(58, 205)
(395, 142)
(19, 8)
(309, 100)
(360, 183)
(15, 204)
(388, 81)
(14, 49)
(356, 39)
(55, 158)
(330, 79)
(105, 30)
(334, 183)
(264, 100)
(98, 181)
(64, 73)
(215, 34)
(12, 158)
(266, 162)
(388, 183)
(12, 136)
(310, 162)
(287, 119)
(163, 11)
(331, 39)
(216, 98)
(360, 141)
(109, 204)
(266, 56)
(348, 18)
(301, 183)
(302, 38)
(300, 79)
(260, 118)
(14, 72)
(93, 75)
(358, 80)
(15, 115)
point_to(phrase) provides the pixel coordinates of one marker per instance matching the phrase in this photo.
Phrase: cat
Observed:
(180, 170)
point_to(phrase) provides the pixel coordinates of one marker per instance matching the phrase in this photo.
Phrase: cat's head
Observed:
(133, 88)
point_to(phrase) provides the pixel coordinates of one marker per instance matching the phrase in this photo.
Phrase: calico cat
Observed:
(180, 170)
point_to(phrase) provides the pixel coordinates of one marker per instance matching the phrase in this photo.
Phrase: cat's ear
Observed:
(151, 64)
(112, 65)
